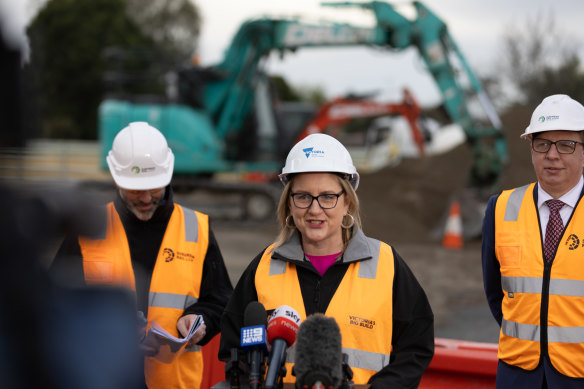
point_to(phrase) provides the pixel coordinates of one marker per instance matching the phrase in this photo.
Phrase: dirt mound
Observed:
(409, 202)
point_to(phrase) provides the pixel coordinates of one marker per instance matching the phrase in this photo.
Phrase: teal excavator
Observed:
(226, 121)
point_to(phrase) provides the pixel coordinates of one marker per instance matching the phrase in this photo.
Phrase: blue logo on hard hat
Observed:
(541, 119)
(315, 153)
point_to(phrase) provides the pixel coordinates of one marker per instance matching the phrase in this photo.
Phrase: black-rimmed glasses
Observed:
(540, 145)
(326, 201)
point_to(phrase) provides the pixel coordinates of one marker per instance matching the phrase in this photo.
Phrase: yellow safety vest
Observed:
(362, 306)
(175, 285)
(528, 297)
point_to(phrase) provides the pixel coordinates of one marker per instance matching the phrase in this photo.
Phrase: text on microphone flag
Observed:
(253, 336)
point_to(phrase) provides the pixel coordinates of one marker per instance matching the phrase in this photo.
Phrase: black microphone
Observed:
(253, 340)
(319, 353)
(282, 330)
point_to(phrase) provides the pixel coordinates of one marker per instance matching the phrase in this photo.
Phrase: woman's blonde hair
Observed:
(286, 229)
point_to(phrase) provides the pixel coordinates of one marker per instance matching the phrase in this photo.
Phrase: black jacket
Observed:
(144, 239)
(413, 320)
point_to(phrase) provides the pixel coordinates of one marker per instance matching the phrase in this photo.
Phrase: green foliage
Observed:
(312, 94)
(68, 39)
(172, 24)
(537, 61)
(282, 90)
(566, 78)
(286, 92)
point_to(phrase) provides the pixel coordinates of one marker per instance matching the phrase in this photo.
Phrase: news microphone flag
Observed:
(253, 340)
(253, 336)
(282, 329)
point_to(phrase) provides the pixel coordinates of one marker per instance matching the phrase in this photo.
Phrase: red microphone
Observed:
(282, 329)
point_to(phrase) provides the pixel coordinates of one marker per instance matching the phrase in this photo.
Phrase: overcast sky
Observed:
(476, 25)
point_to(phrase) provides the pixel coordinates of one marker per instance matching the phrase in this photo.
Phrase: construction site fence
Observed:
(52, 161)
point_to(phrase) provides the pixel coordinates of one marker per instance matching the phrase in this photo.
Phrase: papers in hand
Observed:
(168, 346)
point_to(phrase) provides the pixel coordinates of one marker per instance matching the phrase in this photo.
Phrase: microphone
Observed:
(253, 340)
(282, 329)
(319, 352)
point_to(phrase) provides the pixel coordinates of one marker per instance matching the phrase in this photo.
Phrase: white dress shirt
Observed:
(570, 199)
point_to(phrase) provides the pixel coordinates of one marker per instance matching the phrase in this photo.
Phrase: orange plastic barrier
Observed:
(214, 370)
(461, 364)
(456, 364)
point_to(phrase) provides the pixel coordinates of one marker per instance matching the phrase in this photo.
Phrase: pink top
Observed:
(323, 262)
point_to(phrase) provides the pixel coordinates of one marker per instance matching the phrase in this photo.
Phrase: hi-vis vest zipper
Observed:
(362, 306)
(540, 301)
(175, 285)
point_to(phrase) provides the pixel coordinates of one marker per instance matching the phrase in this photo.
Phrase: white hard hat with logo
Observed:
(320, 153)
(555, 113)
(140, 158)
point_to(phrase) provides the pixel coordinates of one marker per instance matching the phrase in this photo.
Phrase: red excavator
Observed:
(379, 134)
(332, 116)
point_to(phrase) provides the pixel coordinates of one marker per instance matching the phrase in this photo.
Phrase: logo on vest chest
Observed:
(361, 322)
(169, 255)
(573, 242)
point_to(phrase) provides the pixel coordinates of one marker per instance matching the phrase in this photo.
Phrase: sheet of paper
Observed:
(169, 346)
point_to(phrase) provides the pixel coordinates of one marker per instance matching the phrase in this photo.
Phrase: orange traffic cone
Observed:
(453, 230)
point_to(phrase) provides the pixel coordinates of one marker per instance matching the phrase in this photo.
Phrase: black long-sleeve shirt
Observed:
(144, 239)
(413, 320)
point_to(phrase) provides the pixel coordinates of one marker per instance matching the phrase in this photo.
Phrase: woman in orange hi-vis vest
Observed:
(322, 262)
(164, 252)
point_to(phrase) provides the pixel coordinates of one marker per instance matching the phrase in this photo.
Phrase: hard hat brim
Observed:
(141, 183)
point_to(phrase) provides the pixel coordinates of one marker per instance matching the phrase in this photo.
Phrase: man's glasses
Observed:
(540, 145)
(326, 201)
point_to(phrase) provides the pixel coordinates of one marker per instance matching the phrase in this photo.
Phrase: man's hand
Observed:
(183, 325)
(148, 349)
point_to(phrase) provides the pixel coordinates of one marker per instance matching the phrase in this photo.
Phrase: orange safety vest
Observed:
(175, 285)
(362, 306)
(530, 295)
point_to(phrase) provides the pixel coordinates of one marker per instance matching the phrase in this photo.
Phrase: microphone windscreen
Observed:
(255, 315)
(318, 350)
(283, 324)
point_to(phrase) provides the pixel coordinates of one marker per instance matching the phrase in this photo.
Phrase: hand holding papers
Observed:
(169, 347)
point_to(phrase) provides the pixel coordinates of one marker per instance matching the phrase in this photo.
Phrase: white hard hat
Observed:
(556, 112)
(320, 153)
(140, 158)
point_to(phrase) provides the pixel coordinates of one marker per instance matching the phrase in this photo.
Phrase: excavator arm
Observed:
(230, 100)
(212, 128)
(459, 87)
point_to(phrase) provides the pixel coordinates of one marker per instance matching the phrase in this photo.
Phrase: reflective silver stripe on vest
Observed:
(566, 334)
(291, 353)
(357, 358)
(277, 266)
(191, 225)
(170, 300)
(196, 347)
(532, 332)
(514, 204)
(567, 287)
(368, 268)
(520, 331)
(574, 288)
(522, 284)
(366, 360)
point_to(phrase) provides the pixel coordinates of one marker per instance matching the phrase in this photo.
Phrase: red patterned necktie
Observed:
(554, 228)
